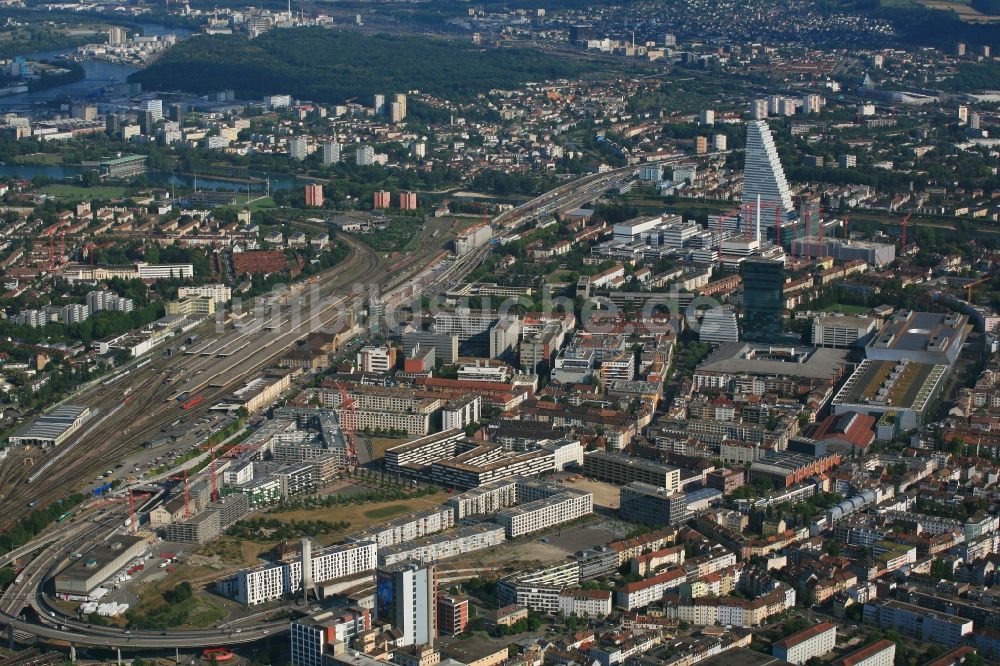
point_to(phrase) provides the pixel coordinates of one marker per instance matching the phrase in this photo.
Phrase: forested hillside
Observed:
(328, 66)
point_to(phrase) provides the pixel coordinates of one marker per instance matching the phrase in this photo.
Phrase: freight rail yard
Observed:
(139, 403)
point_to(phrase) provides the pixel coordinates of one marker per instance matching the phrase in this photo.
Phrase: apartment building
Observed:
(313, 636)
(646, 563)
(880, 653)
(453, 614)
(406, 528)
(539, 589)
(918, 622)
(273, 581)
(376, 359)
(484, 464)
(412, 457)
(220, 293)
(651, 590)
(575, 602)
(544, 513)
(743, 613)
(458, 541)
(457, 414)
(802, 646)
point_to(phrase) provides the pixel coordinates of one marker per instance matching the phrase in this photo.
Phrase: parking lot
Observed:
(166, 450)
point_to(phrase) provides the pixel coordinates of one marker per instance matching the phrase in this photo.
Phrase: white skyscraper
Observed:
(154, 107)
(331, 153)
(405, 595)
(298, 148)
(364, 156)
(763, 175)
(379, 104)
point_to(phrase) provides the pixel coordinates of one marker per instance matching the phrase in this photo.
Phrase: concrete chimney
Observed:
(307, 572)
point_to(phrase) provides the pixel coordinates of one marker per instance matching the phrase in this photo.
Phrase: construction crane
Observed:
(970, 286)
(905, 223)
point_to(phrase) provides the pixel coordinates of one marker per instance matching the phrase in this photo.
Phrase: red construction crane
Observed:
(348, 422)
(847, 221)
(906, 223)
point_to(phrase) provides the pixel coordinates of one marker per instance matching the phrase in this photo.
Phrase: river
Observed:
(97, 75)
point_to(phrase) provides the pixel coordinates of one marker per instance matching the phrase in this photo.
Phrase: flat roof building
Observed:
(53, 428)
(652, 505)
(921, 337)
(621, 469)
(900, 388)
(98, 564)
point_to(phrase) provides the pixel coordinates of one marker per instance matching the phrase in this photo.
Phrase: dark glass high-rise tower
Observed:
(763, 300)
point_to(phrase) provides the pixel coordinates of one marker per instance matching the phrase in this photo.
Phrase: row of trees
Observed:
(272, 529)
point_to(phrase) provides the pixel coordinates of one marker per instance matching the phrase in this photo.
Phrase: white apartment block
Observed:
(486, 499)
(585, 603)
(490, 463)
(100, 301)
(800, 647)
(273, 581)
(651, 590)
(918, 622)
(415, 424)
(460, 413)
(544, 513)
(611, 276)
(376, 359)
(238, 473)
(220, 293)
(618, 368)
(424, 451)
(164, 271)
(464, 322)
(387, 408)
(461, 540)
(741, 613)
(406, 528)
(540, 589)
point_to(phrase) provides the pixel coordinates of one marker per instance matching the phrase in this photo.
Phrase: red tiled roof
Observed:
(864, 653)
(805, 635)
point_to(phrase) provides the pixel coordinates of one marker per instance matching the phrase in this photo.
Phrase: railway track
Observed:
(126, 421)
